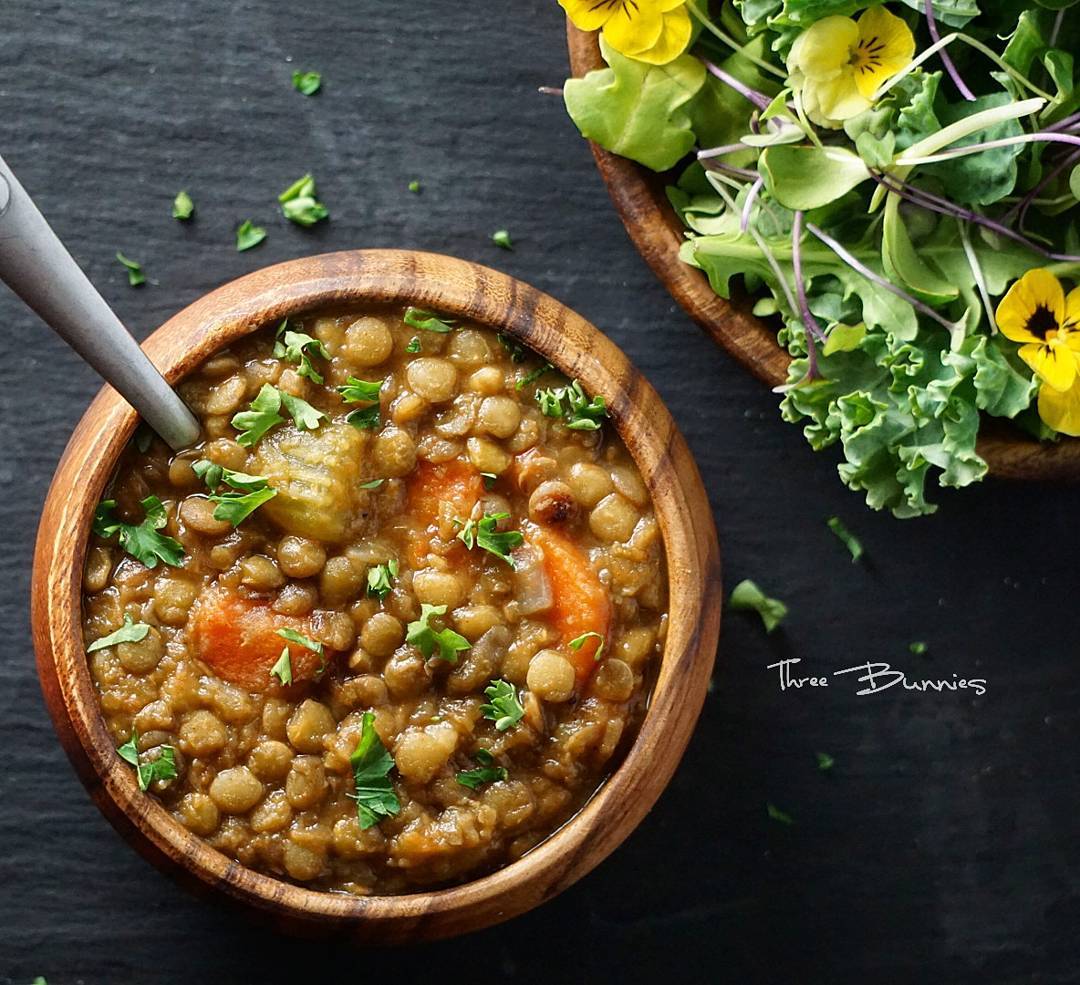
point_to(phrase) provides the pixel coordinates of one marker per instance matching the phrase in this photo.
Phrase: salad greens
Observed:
(877, 201)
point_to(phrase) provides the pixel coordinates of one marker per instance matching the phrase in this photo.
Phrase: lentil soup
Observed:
(390, 623)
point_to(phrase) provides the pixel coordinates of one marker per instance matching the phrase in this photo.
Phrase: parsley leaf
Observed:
(141, 540)
(374, 796)
(746, 596)
(304, 416)
(262, 416)
(825, 762)
(482, 533)
(918, 648)
(130, 632)
(414, 186)
(533, 377)
(483, 757)
(162, 768)
(414, 344)
(358, 391)
(134, 270)
(299, 638)
(373, 484)
(183, 207)
(776, 814)
(248, 236)
(299, 205)
(505, 710)
(282, 670)
(849, 540)
(380, 579)
(233, 506)
(306, 83)
(501, 238)
(476, 778)
(426, 639)
(428, 321)
(296, 347)
(578, 643)
(580, 413)
(129, 751)
(490, 478)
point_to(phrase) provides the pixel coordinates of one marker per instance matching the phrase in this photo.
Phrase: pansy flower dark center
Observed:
(1042, 322)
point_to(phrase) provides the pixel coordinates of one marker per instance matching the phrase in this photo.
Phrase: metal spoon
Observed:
(37, 267)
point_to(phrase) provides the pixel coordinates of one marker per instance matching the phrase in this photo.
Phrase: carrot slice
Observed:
(580, 601)
(434, 484)
(238, 639)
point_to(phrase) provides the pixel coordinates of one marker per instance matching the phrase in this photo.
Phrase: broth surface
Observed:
(458, 562)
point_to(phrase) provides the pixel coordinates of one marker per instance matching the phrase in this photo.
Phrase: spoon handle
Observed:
(37, 267)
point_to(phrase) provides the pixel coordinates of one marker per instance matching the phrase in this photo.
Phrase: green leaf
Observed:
(533, 376)
(282, 670)
(356, 391)
(637, 110)
(234, 507)
(918, 648)
(129, 751)
(846, 537)
(501, 238)
(415, 187)
(299, 204)
(775, 814)
(473, 779)
(579, 413)
(134, 270)
(304, 416)
(954, 13)
(413, 344)
(260, 418)
(805, 178)
(504, 708)
(307, 83)
(426, 639)
(297, 347)
(161, 768)
(427, 321)
(484, 533)
(579, 642)
(301, 640)
(366, 419)
(825, 762)
(142, 541)
(844, 338)
(903, 263)
(248, 235)
(183, 207)
(371, 763)
(129, 632)
(747, 597)
(380, 579)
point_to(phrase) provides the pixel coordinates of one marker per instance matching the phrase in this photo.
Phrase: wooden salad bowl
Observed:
(657, 232)
(458, 289)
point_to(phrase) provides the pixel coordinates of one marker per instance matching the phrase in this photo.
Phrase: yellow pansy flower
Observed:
(654, 31)
(838, 63)
(1036, 313)
(1061, 410)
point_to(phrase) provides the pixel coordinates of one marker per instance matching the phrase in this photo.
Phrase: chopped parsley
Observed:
(505, 710)
(414, 186)
(356, 391)
(533, 377)
(846, 537)
(501, 238)
(578, 643)
(825, 762)
(183, 207)
(475, 778)
(580, 413)
(747, 597)
(306, 83)
(776, 814)
(490, 478)
(141, 540)
(413, 344)
(250, 491)
(380, 579)
(371, 763)
(427, 640)
(483, 757)
(260, 418)
(134, 270)
(282, 670)
(248, 236)
(299, 205)
(482, 533)
(304, 416)
(427, 321)
(296, 347)
(148, 771)
(130, 632)
(918, 648)
(299, 638)
(373, 484)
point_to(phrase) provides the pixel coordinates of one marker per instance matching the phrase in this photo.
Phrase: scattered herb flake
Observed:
(129, 751)
(501, 238)
(505, 710)
(183, 207)
(476, 778)
(249, 491)
(415, 187)
(580, 413)
(129, 632)
(427, 321)
(490, 478)
(134, 270)
(296, 347)
(299, 204)
(141, 540)
(483, 757)
(533, 377)
(260, 418)
(849, 540)
(304, 416)
(578, 643)
(373, 484)
(380, 579)
(282, 670)
(918, 648)
(825, 762)
(306, 83)
(413, 344)
(371, 763)
(361, 391)
(748, 597)
(161, 768)
(427, 640)
(483, 533)
(776, 814)
(518, 352)
(248, 236)
(300, 639)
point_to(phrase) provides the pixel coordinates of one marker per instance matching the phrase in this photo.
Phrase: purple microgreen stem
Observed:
(977, 274)
(1042, 137)
(720, 151)
(745, 173)
(808, 319)
(946, 60)
(759, 99)
(748, 205)
(550, 91)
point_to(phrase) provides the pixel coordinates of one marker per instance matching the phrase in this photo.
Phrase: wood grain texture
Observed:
(657, 232)
(459, 289)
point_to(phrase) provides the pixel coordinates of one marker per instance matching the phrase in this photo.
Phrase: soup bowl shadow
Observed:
(457, 289)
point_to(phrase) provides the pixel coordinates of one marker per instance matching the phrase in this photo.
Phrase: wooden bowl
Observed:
(657, 232)
(458, 289)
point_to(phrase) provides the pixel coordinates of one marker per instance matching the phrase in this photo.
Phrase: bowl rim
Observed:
(657, 232)
(456, 288)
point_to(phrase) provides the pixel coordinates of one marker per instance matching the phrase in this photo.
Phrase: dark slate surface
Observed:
(941, 848)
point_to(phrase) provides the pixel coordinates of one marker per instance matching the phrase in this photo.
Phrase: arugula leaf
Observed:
(371, 763)
(846, 537)
(580, 413)
(304, 416)
(134, 270)
(282, 670)
(129, 632)
(413, 344)
(483, 533)
(427, 321)
(306, 83)
(142, 540)
(577, 644)
(501, 238)
(426, 639)
(262, 416)
(746, 596)
(775, 814)
(248, 236)
(476, 778)
(825, 762)
(380, 579)
(504, 710)
(161, 768)
(296, 347)
(183, 207)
